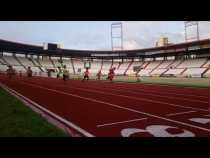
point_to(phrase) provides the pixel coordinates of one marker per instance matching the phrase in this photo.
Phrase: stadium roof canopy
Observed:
(200, 46)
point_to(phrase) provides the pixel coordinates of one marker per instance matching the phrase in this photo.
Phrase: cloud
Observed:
(96, 35)
(146, 33)
(131, 44)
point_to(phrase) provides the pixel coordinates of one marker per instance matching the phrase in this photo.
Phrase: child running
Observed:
(86, 75)
(10, 72)
(65, 73)
(99, 75)
(111, 74)
(59, 73)
(138, 79)
(29, 72)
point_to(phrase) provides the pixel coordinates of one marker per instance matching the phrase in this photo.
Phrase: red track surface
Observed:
(121, 109)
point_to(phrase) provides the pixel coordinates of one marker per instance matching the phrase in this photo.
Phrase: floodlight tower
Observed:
(117, 36)
(191, 24)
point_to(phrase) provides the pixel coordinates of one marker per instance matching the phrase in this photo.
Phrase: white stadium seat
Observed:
(25, 61)
(106, 66)
(2, 61)
(11, 60)
(158, 72)
(153, 65)
(145, 72)
(174, 71)
(165, 64)
(122, 68)
(131, 68)
(190, 63)
(3, 68)
(194, 72)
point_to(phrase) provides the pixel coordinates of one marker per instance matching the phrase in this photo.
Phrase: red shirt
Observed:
(86, 73)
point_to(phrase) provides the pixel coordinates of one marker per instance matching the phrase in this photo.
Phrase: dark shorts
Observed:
(86, 77)
(65, 77)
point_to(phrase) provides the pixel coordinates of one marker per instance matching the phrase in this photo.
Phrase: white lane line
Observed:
(180, 113)
(140, 99)
(121, 107)
(147, 100)
(173, 93)
(117, 89)
(121, 122)
(70, 124)
(162, 96)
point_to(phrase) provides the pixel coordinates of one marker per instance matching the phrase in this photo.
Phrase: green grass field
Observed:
(17, 120)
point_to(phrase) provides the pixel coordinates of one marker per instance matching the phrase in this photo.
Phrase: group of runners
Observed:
(12, 72)
(65, 75)
(86, 76)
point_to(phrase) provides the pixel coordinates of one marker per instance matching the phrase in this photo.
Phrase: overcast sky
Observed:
(95, 35)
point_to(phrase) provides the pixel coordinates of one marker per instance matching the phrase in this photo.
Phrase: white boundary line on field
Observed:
(144, 99)
(180, 113)
(136, 98)
(70, 124)
(121, 107)
(170, 92)
(121, 122)
(161, 96)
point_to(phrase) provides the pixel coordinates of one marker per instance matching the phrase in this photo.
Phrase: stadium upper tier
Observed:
(201, 47)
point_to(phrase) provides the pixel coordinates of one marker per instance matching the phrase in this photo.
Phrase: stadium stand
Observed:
(11, 60)
(130, 70)
(78, 66)
(105, 67)
(122, 68)
(145, 72)
(56, 63)
(192, 63)
(158, 72)
(207, 73)
(207, 64)
(152, 65)
(194, 72)
(46, 63)
(165, 64)
(149, 67)
(95, 67)
(25, 61)
(174, 72)
(68, 63)
(3, 68)
(2, 61)
(175, 63)
(115, 64)
(35, 62)
(152, 62)
(19, 68)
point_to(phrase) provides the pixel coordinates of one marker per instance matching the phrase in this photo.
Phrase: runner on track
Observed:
(10, 71)
(86, 75)
(29, 72)
(138, 78)
(111, 74)
(99, 75)
(59, 73)
(65, 73)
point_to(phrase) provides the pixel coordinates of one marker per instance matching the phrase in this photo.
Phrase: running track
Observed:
(121, 109)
